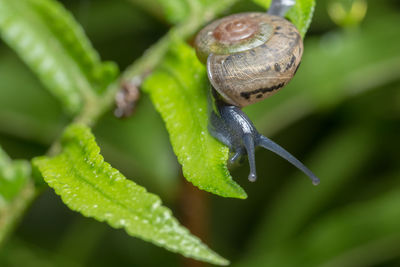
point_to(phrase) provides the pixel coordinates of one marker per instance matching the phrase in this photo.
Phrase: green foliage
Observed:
(54, 46)
(350, 219)
(179, 89)
(377, 216)
(92, 187)
(18, 253)
(16, 190)
(13, 176)
(300, 14)
(347, 13)
(177, 11)
(132, 150)
(296, 202)
(361, 233)
(34, 116)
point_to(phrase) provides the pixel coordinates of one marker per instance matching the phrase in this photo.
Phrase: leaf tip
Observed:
(223, 262)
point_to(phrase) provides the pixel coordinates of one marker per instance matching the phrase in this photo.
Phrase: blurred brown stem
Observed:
(193, 204)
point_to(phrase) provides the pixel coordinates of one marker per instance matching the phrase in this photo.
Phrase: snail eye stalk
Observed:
(277, 149)
(249, 145)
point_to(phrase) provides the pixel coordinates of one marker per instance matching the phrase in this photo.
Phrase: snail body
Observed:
(249, 56)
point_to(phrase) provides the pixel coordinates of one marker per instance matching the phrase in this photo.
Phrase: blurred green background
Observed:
(340, 115)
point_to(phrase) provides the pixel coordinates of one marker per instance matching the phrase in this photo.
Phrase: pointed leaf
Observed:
(178, 89)
(92, 187)
(300, 14)
(55, 47)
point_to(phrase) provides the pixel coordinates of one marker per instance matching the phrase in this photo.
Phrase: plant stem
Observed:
(143, 66)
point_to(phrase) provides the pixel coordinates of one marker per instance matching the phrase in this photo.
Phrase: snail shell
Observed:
(249, 56)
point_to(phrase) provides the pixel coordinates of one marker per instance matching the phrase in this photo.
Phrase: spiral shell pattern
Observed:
(249, 56)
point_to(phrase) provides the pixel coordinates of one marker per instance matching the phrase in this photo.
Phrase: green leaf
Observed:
(35, 116)
(175, 10)
(300, 15)
(13, 176)
(182, 11)
(178, 89)
(92, 187)
(16, 191)
(132, 150)
(55, 47)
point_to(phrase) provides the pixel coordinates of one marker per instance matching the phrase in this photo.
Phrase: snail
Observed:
(249, 57)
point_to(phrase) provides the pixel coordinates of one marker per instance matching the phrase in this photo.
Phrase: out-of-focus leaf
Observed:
(54, 46)
(178, 89)
(347, 13)
(26, 110)
(356, 226)
(92, 187)
(18, 252)
(352, 226)
(85, 232)
(300, 14)
(335, 163)
(176, 11)
(13, 176)
(16, 191)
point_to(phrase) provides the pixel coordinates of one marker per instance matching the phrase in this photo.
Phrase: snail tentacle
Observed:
(236, 156)
(248, 143)
(277, 149)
